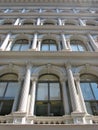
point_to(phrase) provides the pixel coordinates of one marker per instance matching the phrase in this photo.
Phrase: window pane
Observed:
(87, 92)
(53, 47)
(24, 47)
(74, 47)
(54, 91)
(2, 88)
(41, 109)
(12, 89)
(16, 47)
(45, 47)
(42, 91)
(88, 106)
(6, 107)
(81, 48)
(95, 90)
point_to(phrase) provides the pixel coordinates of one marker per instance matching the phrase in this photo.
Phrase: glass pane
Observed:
(95, 90)
(12, 89)
(42, 91)
(54, 91)
(87, 92)
(2, 88)
(6, 107)
(53, 47)
(15, 47)
(74, 47)
(45, 47)
(41, 109)
(24, 47)
(81, 48)
(88, 106)
(56, 108)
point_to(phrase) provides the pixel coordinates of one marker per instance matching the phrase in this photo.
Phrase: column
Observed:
(23, 11)
(64, 42)
(17, 21)
(33, 96)
(25, 90)
(39, 45)
(80, 94)
(5, 42)
(93, 43)
(59, 21)
(81, 22)
(72, 89)
(34, 43)
(38, 21)
(65, 97)
(8, 48)
(6, 11)
(57, 10)
(40, 10)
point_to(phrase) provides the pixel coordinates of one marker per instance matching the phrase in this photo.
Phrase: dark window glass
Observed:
(77, 45)
(20, 45)
(49, 45)
(48, 96)
(89, 88)
(8, 91)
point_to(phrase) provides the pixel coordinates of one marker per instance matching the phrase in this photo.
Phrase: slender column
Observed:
(65, 98)
(17, 21)
(5, 42)
(38, 21)
(6, 11)
(64, 42)
(25, 90)
(23, 11)
(81, 22)
(8, 48)
(34, 43)
(57, 10)
(93, 43)
(39, 45)
(59, 21)
(80, 93)
(33, 95)
(72, 89)
(40, 10)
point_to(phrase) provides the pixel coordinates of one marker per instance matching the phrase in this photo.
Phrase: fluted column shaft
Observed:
(34, 41)
(80, 94)
(72, 89)
(5, 42)
(59, 21)
(93, 43)
(38, 21)
(33, 95)
(25, 90)
(81, 22)
(64, 41)
(17, 21)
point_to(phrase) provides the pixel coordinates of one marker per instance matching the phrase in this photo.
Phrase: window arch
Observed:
(20, 45)
(77, 45)
(8, 90)
(49, 45)
(89, 86)
(49, 96)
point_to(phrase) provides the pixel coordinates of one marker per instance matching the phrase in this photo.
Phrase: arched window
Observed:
(89, 86)
(48, 96)
(20, 45)
(48, 23)
(8, 90)
(49, 45)
(77, 45)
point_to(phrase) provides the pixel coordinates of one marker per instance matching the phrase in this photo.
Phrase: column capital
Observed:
(68, 66)
(77, 77)
(34, 78)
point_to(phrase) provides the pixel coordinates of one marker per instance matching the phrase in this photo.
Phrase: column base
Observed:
(81, 118)
(18, 117)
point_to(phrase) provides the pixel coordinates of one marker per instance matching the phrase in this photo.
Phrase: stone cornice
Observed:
(46, 29)
(50, 2)
(48, 57)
